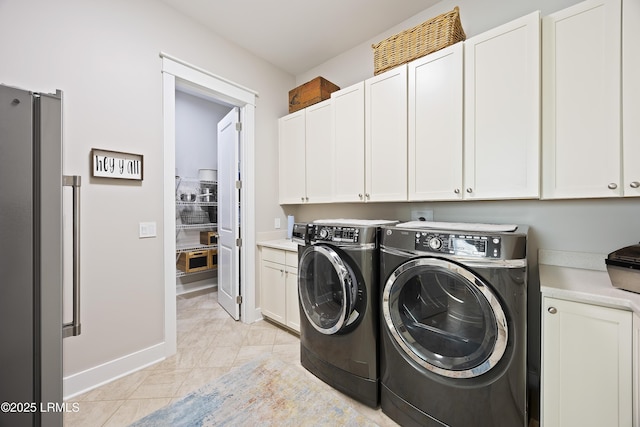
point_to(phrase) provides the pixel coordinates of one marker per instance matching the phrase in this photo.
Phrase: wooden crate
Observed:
(310, 93)
(193, 261)
(208, 237)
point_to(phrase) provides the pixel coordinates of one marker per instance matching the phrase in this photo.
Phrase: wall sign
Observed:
(114, 164)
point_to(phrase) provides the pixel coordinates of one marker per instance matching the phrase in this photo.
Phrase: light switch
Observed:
(147, 229)
(276, 223)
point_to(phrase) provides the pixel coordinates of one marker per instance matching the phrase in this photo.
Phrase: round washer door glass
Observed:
(445, 317)
(327, 288)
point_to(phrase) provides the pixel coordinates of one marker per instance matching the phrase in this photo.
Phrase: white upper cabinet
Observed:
(631, 97)
(292, 187)
(386, 136)
(435, 125)
(502, 111)
(306, 155)
(319, 152)
(581, 101)
(348, 124)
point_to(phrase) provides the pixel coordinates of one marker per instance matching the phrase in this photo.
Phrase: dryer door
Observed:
(445, 317)
(327, 287)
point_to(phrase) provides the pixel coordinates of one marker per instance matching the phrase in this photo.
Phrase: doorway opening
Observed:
(184, 77)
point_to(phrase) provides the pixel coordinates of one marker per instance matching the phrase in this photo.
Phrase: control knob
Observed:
(324, 233)
(435, 243)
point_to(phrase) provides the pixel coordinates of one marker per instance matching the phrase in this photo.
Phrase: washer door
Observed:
(444, 317)
(327, 287)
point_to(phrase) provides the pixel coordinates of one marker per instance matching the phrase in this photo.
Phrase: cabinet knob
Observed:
(634, 184)
(306, 199)
(360, 195)
(612, 186)
(552, 310)
(367, 195)
(302, 199)
(457, 191)
(469, 190)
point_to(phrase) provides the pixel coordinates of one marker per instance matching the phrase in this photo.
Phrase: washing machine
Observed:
(339, 302)
(453, 324)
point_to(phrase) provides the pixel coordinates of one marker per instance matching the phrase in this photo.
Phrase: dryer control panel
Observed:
(334, 233)
(475, 245)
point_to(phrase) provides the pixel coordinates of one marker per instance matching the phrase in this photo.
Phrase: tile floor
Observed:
(209, 344)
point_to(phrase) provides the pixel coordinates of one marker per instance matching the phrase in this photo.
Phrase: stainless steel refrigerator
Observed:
(31, 258)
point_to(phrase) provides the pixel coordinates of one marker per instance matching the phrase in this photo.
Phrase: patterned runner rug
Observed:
(264, 392)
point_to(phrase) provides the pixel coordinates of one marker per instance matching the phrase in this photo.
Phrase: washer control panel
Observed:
(474, 245)
(334, 233)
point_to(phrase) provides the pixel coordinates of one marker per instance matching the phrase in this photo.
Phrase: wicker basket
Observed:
(430, 36)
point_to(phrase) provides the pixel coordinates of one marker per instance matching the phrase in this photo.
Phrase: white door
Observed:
(319, 153)
(502, 111)
(348, 155)
(436, 125)
(228, 214)
(291, 154)
(386, 136)
(581, 145)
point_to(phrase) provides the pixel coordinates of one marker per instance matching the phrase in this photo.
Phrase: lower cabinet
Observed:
(279, 286)
(587, 366)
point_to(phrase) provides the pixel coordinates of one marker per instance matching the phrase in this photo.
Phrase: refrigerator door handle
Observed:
(72, 329)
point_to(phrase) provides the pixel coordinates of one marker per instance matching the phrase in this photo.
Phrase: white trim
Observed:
(220, 87)
(81, 382)
(179, 73)
(169, 136)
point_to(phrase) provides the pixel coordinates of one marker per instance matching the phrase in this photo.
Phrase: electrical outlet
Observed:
(422, 215)
(276, 223)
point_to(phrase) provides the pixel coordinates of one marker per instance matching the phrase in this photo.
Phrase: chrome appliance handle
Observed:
(73, 329)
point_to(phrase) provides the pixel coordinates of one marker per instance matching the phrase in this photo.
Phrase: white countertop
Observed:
(284, 244)
(584, 285)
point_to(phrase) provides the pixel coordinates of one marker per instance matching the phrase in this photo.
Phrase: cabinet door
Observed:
(502, 111)
(292, 184)
(319, 153)
(631, 98)
(272, 291)
(581, 101)
(348, 122)
(292, 303)
(586, 365)
(386, 136)
(435, 125)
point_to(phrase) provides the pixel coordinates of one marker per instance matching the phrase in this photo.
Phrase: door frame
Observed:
(176, 73)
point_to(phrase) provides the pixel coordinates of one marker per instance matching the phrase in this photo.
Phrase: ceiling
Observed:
(297, 35)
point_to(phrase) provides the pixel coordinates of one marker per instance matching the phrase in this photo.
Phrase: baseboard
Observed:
(81, 382)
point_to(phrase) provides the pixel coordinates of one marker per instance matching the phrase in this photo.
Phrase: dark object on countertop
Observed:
(623, 267)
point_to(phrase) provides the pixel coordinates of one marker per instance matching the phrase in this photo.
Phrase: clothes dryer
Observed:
(339, 303)
(453, 324)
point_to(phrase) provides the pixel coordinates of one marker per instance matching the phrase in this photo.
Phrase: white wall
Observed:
(197, 133)
(104, 55)
(356, 64)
